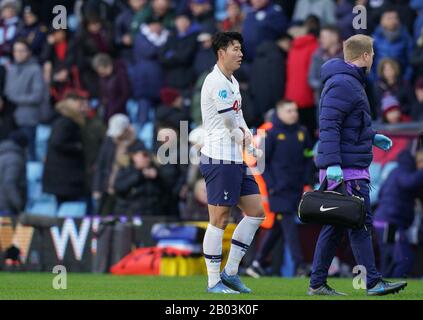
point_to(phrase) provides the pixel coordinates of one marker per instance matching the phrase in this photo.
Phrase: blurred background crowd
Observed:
(83, 110)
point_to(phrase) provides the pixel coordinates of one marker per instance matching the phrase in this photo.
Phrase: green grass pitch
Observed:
(108, 287)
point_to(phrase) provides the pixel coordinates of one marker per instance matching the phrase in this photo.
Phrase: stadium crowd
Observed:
(106, 92)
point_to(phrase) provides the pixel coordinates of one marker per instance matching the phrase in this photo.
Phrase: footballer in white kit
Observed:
(223, 169)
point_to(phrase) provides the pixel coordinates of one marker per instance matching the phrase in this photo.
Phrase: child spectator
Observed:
(395, 214)
(390, 82)
(391, 113)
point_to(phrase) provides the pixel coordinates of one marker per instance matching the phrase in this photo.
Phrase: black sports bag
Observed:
(332, 207)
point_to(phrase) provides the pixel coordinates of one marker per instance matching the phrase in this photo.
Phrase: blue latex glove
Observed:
(334, 173)
(382, 142)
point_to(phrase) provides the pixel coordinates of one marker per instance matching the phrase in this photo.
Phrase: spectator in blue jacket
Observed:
(418, 23)
(392, 40)
(288, 168)
(345, 153)
(264, 21)
(395, 214)
(146, 75)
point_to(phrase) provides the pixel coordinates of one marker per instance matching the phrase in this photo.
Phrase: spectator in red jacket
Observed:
(297, 87)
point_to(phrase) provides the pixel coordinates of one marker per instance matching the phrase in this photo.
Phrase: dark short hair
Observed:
(24, 42)
(221, 40)
(331, 28)
(283, 102)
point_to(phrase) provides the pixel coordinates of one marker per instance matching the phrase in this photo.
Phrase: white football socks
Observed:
(212, 249)
(241, 240)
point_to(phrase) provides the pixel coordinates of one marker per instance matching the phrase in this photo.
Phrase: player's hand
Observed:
(334, 173)
(382, 142)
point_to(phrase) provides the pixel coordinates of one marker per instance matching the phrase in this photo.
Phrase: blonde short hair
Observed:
(357, 45)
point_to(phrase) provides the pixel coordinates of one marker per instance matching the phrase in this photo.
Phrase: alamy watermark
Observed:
(360, 280)
(60, 282)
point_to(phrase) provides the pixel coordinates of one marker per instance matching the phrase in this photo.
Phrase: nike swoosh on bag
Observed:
(322, 209)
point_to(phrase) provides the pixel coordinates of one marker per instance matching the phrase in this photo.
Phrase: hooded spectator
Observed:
(417, 105)
(264, 22)
(114, 85)
(395, 214)
(177, 54)
(392, 40)
(171, 112)
(138, 186)
(25, 88)
(113, 155)
(9, 26)
(32, 30)
(13, 174)
(390, 82)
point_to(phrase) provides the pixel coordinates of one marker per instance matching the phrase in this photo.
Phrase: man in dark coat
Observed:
(395, 214)
(64, 171)
(345, 153)
(137, 186)
(178, 53)
(265, 21)
(114, 85)
(267, 81)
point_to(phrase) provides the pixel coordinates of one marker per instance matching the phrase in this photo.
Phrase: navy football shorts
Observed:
(226, 181)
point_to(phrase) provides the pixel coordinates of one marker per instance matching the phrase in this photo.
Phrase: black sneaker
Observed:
(384, 287)
(324, 290)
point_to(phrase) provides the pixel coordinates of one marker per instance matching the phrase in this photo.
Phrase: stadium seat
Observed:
(132, 110)
(42, 135)
(34, 173)
(45, 206)
(146, 135)
(72, 209)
